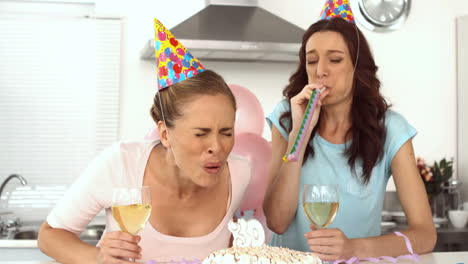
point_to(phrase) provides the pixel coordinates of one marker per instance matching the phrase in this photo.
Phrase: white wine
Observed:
(131, 218)
(320, 214)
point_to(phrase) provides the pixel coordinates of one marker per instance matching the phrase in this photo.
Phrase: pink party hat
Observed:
(174, 63)
(337, 8)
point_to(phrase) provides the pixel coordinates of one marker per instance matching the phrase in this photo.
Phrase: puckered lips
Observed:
(212, 167)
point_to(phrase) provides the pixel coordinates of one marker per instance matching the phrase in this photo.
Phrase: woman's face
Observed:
(328, 62)
(203, 137)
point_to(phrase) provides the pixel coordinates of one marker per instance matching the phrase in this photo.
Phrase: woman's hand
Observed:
(330, 244)
(118, 245)
(299, 104)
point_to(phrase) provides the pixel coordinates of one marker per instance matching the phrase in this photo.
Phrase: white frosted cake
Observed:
(249, 248)
(261, 255)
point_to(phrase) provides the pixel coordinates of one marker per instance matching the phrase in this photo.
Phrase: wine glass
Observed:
(320, 203)
(131, 208)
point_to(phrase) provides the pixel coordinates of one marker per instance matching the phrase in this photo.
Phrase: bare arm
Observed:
(281, 198)
(65, 246)
(332, 244)
(413, 198)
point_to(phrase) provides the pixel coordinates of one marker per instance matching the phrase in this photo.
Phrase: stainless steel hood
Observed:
(236, 30)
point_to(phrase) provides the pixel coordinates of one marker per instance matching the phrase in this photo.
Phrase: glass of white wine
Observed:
(131, 208)
(320, 203)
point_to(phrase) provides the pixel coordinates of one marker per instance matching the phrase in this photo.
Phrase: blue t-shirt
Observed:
(360, 208)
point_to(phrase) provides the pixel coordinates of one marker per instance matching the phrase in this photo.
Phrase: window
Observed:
(59, 97)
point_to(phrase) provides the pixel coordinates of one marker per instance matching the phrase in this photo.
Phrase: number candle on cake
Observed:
(249, 248)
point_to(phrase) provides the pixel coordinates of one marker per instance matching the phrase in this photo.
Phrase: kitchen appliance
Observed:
(236, 30)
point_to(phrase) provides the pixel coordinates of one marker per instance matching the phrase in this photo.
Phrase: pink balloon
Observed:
(258, 151)
(249, 115)
(152, 133)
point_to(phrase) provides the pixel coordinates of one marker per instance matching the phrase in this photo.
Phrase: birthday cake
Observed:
(248, 248)
(261, 255)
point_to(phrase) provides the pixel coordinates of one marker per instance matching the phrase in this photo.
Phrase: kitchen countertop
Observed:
(18, 243)
(449, 239)
(28, 243)
(433, 258)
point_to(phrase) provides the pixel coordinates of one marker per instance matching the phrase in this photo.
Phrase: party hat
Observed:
(174, 63)
(337, 8)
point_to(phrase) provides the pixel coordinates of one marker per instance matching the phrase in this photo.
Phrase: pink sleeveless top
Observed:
(123, 164)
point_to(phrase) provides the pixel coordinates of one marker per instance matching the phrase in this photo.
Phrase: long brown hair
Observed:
(175, 96)
(368, 106)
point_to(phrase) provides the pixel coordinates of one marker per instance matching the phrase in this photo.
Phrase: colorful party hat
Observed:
(337, 8)
(174, 63)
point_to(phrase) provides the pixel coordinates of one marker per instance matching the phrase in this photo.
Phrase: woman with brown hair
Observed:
(354, 141)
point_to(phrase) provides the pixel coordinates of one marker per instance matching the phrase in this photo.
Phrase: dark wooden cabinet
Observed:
(451, 239)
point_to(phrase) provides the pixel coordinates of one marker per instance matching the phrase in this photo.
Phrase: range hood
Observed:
(236, 30)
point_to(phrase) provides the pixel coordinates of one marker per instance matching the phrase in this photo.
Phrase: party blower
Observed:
(309, 112)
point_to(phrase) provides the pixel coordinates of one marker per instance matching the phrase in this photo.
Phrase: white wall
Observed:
(265, 80)
(417, 65)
